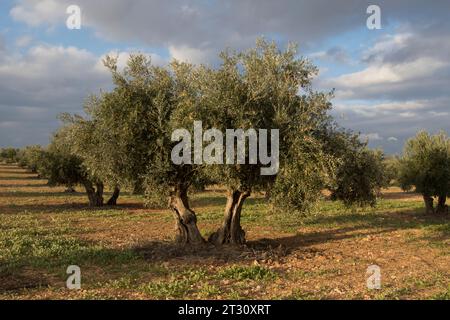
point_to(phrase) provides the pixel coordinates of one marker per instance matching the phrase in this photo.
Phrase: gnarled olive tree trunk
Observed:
(231, 231)
(185, 218)
(429, 204)
(94, 193)
(442, 208)
(113, 200)
(138, 188)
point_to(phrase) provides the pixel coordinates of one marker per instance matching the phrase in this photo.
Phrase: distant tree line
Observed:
(9, 155)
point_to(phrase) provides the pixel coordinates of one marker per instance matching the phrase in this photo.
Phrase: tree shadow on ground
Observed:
(28, 185)
(405, 219)
(25, 194)
(15, 282)
(17, 171)
(400, 195)
(64, 207)
(303, 240)
(275, 249)
(350, 226)
(24, 178)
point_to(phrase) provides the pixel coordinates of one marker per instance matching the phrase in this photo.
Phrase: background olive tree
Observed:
(9, 155)
(125, 139)
(425, 166)
(61, 167)
(31, 157)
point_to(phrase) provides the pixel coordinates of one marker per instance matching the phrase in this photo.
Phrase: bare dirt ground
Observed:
(127, 251)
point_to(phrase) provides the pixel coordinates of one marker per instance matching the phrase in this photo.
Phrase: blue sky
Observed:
(389, 83)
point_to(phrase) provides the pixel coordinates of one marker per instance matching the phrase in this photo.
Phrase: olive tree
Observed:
(31, 157)
(90, 143)
(61, 167)
(126, 137)
(267, 88)
(425, 166)
(261, 89)
(360, 177)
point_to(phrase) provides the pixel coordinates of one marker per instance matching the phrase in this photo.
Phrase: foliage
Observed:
(266, 88)
(9, 155)
(360, 177)
(126, 138)
(391, 168)
(425, 164)
(31, 157)
(58, 165)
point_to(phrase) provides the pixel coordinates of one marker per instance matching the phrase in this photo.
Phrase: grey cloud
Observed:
(210, 25)
(411, 64)
(334, 54)
(432, 115)
(431, 41)
(45, 81)
(36, 87)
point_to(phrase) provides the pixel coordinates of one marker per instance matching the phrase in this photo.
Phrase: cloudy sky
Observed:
(388, 83)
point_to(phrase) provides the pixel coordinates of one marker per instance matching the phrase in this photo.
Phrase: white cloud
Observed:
(188, 54)
(402, 85)
(371, 136)
(381, 75)
(411, 64)
(387, 44)
(37, 12)
(382, 109)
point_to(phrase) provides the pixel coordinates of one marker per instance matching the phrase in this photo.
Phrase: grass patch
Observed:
(163, 289)
(247, 273)
(444, 295)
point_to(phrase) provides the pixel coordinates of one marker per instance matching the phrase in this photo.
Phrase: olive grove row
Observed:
(124, 141)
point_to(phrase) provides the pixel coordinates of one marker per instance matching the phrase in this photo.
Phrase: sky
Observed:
(389, 82)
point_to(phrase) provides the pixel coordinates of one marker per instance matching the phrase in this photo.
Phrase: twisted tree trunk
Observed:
(442, 208)
(138, 188)
(429, 204)
(113, 200)
(231, 231)
(95, 194)
(185, 218)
